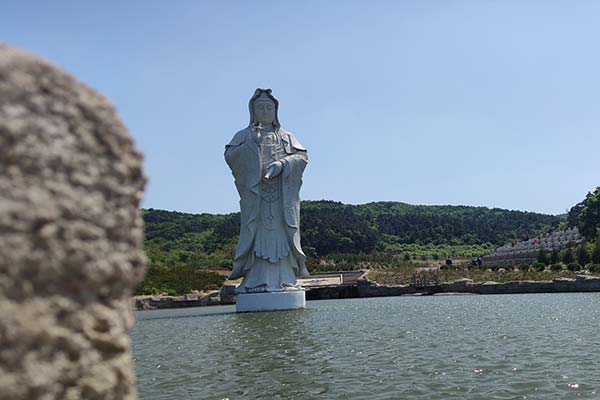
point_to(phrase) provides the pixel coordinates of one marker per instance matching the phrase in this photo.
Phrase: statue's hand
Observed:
(274, 169)
(256, 136)
(256, 129)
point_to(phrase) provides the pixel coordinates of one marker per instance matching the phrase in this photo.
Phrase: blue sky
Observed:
(427, 102)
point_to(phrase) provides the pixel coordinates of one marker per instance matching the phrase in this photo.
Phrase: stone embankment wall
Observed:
(364, 288)
(70, 236)
(222, 297)
(582, 283)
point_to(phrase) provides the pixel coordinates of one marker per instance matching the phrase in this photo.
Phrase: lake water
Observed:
(450, 347)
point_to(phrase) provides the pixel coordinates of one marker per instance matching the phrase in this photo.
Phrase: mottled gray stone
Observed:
(367, 288)
(227, 294)
(70, 236)
(458, 286)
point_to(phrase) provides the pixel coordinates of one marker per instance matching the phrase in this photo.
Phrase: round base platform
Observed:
(270, 301)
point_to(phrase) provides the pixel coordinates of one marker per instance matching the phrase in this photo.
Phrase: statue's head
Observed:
(263, 108)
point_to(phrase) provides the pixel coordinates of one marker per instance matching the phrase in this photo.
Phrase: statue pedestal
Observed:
(270, 301)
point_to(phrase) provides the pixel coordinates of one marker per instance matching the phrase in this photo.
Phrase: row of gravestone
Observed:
(551, 241)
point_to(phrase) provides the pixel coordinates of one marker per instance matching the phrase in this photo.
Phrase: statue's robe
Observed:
(242, 155)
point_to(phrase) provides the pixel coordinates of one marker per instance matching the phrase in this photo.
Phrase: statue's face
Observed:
(264, 112)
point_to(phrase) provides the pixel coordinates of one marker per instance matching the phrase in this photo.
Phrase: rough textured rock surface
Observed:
(70, 236)
(227, 294)
(187, 300)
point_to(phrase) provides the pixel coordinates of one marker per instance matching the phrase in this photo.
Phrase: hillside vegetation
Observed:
(331, 228)
(186, 250)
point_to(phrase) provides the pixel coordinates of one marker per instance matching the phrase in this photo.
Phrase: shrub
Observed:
(538, 266)
(179, 279)
(556, 267)
(149, 291)
(544, 257)
(593, 268)
(574, 266)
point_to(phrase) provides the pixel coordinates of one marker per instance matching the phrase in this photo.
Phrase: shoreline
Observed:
(365, 288)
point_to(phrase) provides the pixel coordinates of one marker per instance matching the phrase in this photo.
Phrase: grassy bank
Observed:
(420, 277)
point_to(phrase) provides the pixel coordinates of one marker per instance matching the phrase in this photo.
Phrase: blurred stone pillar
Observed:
(70, 236)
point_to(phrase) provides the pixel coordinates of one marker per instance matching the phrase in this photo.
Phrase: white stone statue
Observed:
(267, 163)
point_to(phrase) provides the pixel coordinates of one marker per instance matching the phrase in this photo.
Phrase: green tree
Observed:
(543, 257)
(582, 254)
(589, 218)
(596, 251)
(574, 212)
(568, 257)
(554, 257)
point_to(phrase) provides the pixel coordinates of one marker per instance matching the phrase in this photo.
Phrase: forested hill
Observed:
(331, 227)
(382, 224)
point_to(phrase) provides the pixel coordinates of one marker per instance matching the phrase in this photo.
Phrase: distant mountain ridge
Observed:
(330, 227)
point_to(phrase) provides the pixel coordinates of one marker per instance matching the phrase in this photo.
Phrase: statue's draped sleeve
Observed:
(242, 156)
(293, 167)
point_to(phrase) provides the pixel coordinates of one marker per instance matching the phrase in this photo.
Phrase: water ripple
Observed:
(472, 347)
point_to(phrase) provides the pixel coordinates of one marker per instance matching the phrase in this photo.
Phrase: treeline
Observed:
(183, 247)
(574, 258)
(332, 227)
(586, 215)
(328, 227)
(414, 255)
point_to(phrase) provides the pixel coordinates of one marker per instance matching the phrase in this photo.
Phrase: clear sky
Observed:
(492, 103)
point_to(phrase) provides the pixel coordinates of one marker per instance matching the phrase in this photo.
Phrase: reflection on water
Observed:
(474, 347)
